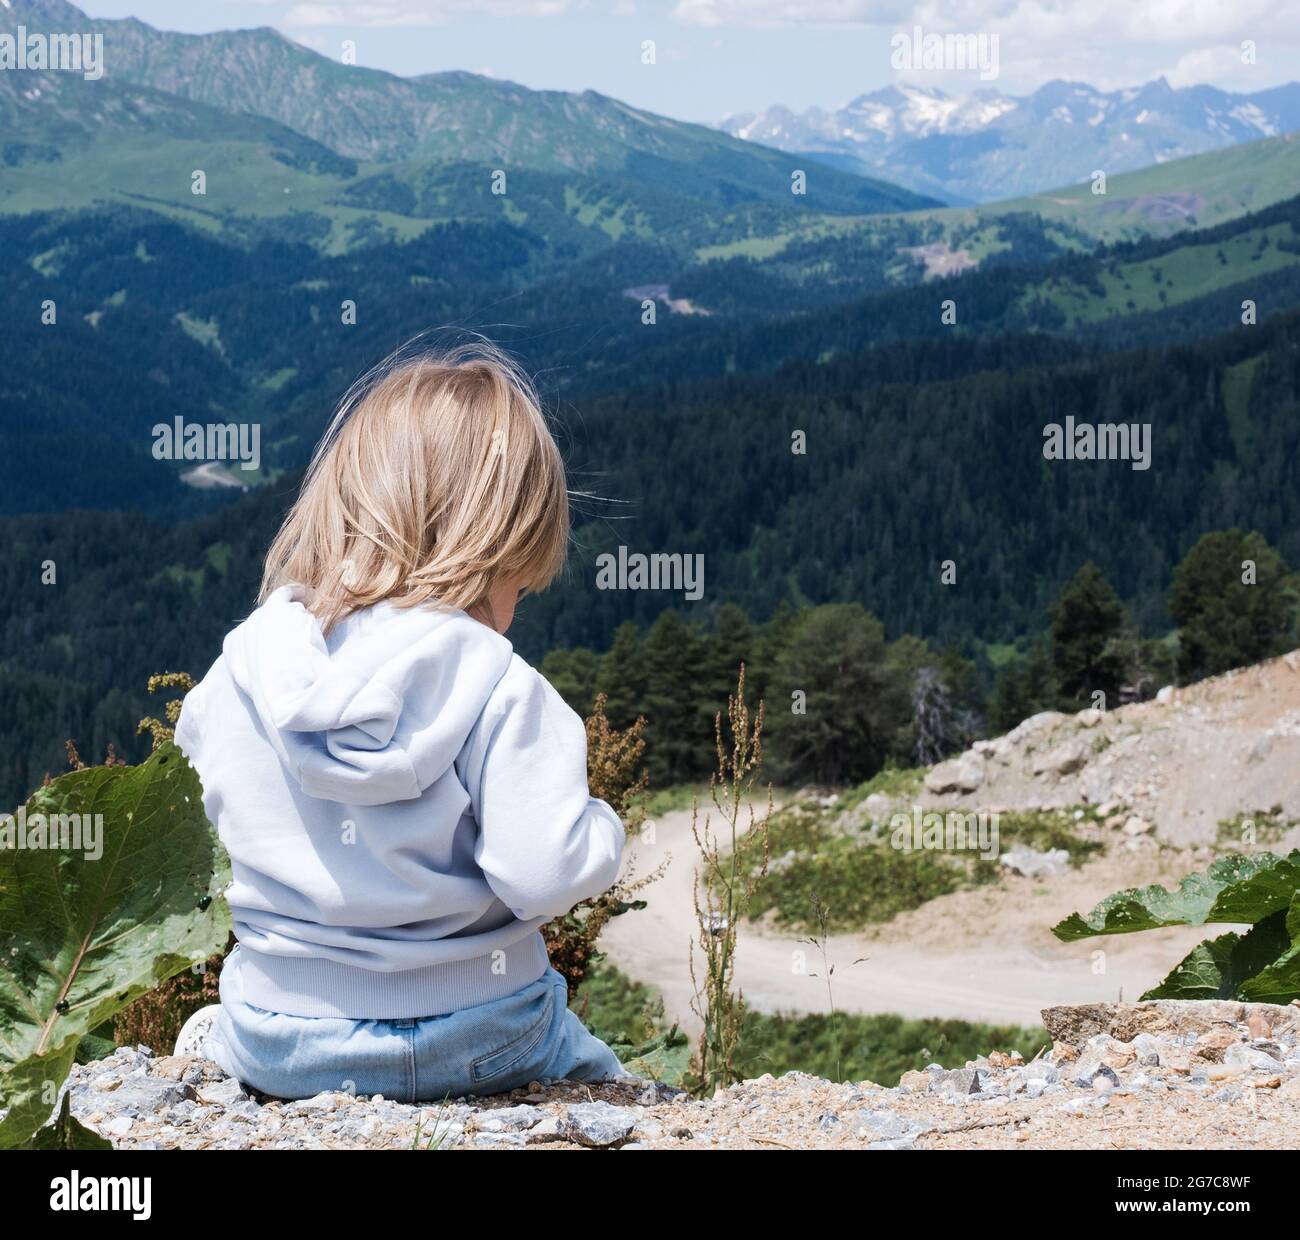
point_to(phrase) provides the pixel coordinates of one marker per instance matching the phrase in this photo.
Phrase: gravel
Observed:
(1131, 1076)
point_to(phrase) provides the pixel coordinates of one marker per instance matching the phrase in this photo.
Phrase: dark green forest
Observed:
(129, 287)
(901, 477)
(865, 698)
(862, 476)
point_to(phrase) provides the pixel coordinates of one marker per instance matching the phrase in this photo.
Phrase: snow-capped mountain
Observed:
(988, 145)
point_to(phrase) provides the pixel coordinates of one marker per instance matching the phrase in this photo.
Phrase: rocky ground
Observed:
(1178, 765)
(1160, 1075)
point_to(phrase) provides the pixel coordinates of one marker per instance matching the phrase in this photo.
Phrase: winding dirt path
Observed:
(983, 955)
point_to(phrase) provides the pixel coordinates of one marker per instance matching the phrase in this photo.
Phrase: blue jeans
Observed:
(528, 1036)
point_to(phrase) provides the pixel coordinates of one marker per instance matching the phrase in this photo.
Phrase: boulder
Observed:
(1034, 864)
(508, 1119)
(1251, 1057)
(1065, 759)
(877, 806)
(961, 1081)
(961, 774)
(1210, 1046)
(1098, 788)
(1073, 1024)
(597, 1124)
(1034, 724)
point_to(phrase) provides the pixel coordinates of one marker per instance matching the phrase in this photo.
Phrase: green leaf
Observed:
(97, 1044)
(1234, 888)
(84, 935)
(1279, 981)
(666, 1058)
(1220, 968)
(66, 1133)
(1269, 889)
(1293, 918)
(93, 1047)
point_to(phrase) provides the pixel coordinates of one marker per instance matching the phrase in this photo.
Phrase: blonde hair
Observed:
(436, 480)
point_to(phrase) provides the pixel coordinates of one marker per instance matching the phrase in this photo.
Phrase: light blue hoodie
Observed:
(404, 802)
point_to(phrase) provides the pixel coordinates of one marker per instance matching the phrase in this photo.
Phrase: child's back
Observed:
(404, 800)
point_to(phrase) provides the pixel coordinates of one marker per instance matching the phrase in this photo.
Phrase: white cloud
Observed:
(790, 12)
(309, 15)
(317, 42)
(415, 12)
(1108, 43)
(1153, 21)
(1114, 43)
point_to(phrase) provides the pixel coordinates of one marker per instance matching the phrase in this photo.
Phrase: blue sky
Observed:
(716, 57)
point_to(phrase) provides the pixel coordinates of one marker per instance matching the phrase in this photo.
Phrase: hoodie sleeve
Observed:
(544, 842)
(188, 726)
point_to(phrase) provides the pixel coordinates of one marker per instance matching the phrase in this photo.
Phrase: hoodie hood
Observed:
(340, 711)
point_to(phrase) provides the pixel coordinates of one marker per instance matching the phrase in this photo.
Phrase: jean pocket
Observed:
(494, 1063)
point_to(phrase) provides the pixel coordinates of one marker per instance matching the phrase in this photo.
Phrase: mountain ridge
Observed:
(373, 116)
(986, 145)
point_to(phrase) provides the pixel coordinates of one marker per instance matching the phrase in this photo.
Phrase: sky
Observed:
(715, 58)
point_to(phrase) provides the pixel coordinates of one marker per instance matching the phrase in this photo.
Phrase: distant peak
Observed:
(47, 10)
(898, 93)
(918, 88)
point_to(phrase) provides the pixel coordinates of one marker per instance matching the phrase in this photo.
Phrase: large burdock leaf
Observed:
(1234, 888)
(84, 931)
(1279, 982)
(1222, 968)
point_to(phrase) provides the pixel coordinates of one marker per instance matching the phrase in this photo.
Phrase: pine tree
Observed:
(680, 741)
(622, 677)
(944, 700)
(1024, 687)
(733, 643)
(852, 703)
(1087, 617)
(575, 675)
(771, 641)
(1232, 602)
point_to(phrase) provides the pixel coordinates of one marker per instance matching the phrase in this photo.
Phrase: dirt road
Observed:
(1185, 763)
(983, 955)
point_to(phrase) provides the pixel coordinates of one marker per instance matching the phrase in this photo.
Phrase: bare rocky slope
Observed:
(1183, 762)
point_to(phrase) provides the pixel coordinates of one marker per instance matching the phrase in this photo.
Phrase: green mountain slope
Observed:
(70, 143)
(1244, 255)
(1160, 201)
(377, 117)
(265, 118)
(253, 331)
(1199, 191)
